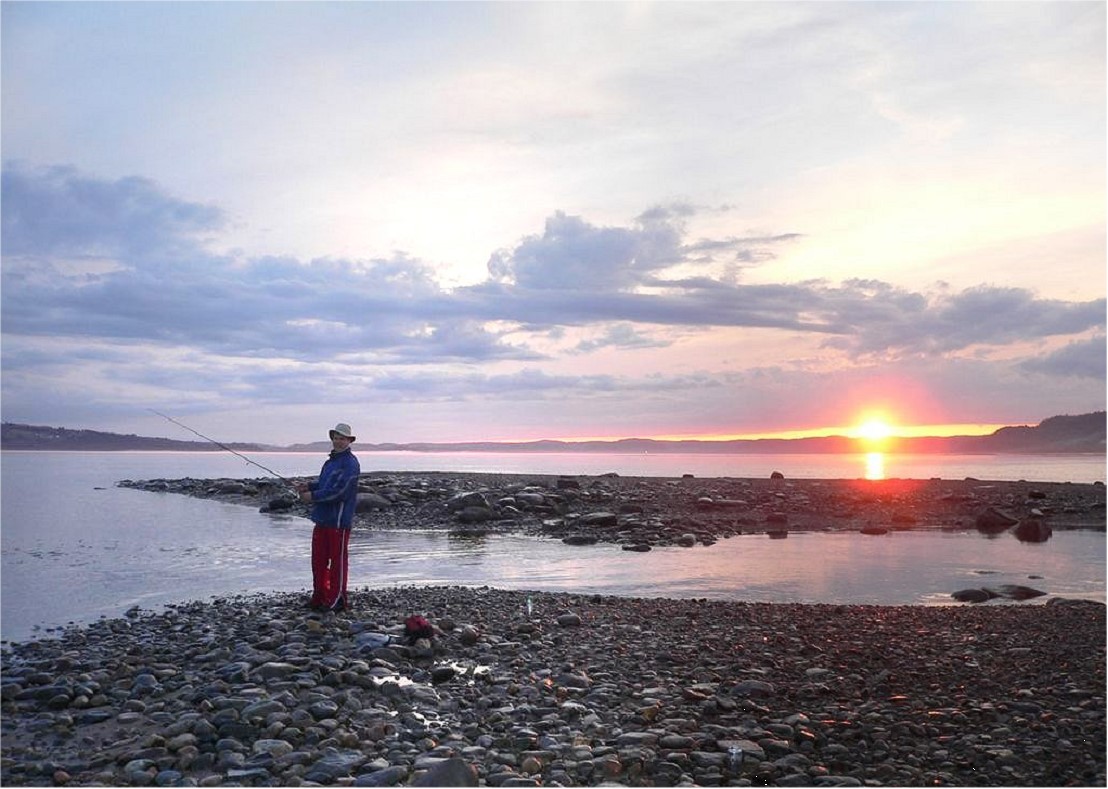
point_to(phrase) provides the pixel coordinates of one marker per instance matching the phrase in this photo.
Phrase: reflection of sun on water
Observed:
(875, 465)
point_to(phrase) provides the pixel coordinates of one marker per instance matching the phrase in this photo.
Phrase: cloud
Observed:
(878, 318)
(621, 335)
(111, 292)
(572, 254)
(121, 260)
(163, 285)
(57, 211)
(1081, 359)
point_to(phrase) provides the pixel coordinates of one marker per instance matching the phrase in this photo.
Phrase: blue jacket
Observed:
(335, 493)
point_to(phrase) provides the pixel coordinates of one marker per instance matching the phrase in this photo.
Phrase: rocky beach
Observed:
(639, 513)
(540, 689)
(531, 689)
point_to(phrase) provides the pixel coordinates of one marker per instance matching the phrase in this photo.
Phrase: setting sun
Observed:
(874, 426)
(874, 430)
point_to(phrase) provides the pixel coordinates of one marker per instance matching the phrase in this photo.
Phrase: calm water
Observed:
(75, 547)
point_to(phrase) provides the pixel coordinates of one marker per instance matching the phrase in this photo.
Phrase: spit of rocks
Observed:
(537, 689)
(639, 513)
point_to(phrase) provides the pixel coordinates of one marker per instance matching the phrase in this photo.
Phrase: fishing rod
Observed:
(223, 446)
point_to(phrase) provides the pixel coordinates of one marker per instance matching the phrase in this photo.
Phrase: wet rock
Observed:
(278, 504)
(1032, 530)
(972, 595)
(386, 776)
(275, 670)
(334, 766)
(448, 772)
(1015, 591)
(442, 674)
(476, 515)
(753, 687)
(468, 499)
(993, 521)
(599, 519)
(371, 502)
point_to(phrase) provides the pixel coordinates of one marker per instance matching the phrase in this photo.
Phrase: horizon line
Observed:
(951, 430)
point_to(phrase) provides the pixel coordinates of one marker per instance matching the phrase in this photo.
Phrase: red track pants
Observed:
(330, 566)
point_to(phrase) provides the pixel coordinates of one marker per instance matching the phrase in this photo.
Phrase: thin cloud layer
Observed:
(169, 289)
(122, 272)
(1080, 359)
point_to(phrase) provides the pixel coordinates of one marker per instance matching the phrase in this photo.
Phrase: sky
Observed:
(551, 220)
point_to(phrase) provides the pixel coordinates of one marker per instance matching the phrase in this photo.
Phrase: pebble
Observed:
(512, 694)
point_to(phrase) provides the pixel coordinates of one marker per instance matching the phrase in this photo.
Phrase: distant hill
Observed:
(1083, 433)
(1057, 434)
(16, 436)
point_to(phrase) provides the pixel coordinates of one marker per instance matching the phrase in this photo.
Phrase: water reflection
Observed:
(100, 549)
(875, 465)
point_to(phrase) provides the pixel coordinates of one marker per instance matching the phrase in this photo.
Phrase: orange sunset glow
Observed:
(871, 429)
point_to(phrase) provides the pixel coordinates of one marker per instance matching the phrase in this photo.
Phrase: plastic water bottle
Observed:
(530, 608)
(734, 759)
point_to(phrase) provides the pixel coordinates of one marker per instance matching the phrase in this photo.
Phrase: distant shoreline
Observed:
(570, 451)
(1083, 434)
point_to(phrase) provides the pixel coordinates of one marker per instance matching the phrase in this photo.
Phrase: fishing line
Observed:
(222, 446)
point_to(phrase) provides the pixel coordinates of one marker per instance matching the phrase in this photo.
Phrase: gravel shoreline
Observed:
(539, 689)
(640, 513)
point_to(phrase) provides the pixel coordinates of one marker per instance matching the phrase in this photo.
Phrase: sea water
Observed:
(75, 547)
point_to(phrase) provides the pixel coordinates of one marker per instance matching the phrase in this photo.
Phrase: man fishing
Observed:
(334, 497)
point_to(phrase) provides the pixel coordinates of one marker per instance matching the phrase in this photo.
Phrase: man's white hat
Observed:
(341, 429)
